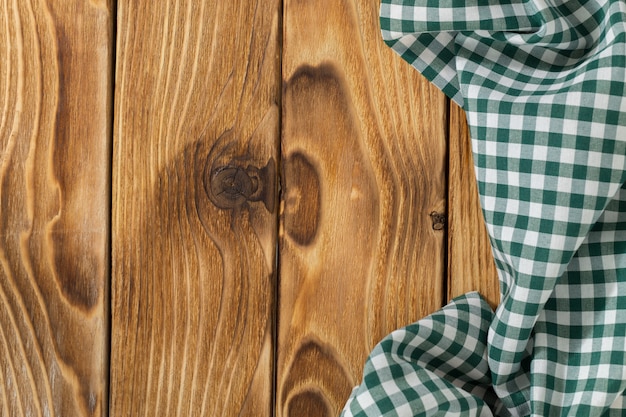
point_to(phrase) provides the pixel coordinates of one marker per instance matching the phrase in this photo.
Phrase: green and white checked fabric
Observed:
(543, 85)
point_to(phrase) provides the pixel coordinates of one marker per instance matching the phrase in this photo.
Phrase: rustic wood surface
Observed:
(364, 165)
(55, 118)
(196, 136)
(207, 318)
(470, 261)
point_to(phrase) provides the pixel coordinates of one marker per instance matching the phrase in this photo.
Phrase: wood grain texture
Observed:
(196, 139)
(470, 261)
(364, 164)
(55, 118)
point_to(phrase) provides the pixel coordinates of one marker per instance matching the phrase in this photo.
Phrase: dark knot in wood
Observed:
(439, 220)
(232, 186)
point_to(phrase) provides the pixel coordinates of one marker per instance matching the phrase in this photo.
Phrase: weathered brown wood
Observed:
(470, 261)
(196, 139)
(364, 165)
(55, 117)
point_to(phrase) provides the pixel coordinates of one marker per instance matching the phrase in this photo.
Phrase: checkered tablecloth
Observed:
(543, 86)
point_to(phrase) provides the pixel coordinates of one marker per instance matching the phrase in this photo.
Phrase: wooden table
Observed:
(213, 208)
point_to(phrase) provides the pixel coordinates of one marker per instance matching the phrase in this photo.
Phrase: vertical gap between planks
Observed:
(279, 184)
(446, 252)
(109, 283)
(450, 214)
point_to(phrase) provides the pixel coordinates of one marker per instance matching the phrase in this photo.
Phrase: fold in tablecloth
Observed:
(542, 83)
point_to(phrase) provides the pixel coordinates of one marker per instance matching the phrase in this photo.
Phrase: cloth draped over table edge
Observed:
(542, 83)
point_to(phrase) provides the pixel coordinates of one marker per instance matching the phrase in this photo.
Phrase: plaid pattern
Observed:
(543, 85)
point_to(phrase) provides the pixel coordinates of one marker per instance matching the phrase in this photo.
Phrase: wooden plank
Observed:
(364, 165)
(196, 138)
(55, 117)
(470, 261)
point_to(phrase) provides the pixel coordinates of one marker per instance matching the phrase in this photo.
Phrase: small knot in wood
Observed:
(231, 186)
(439, 220)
